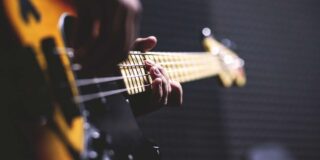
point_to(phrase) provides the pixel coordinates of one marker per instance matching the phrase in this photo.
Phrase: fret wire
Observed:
(198, 67)
(171, 59)
(139, 70)
(173, 65)
(182, 66)
(126, 82)
(185, 66)
(141, 59)
(133, 71)
(124, 74)
(180, 72)
(177, 68)
(130, 80)
(157, 60)
(203, 67)
(150, 58)
(143, 70)
(167, 68)
(201, 71)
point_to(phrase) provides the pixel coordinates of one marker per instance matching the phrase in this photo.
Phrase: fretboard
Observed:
(181, 67)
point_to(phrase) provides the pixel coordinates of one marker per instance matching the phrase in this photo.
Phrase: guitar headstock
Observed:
(232, 66)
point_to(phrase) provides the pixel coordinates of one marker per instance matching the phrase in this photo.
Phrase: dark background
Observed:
(278, 110)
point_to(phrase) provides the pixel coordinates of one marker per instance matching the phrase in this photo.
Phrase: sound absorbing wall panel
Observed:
(278, 111)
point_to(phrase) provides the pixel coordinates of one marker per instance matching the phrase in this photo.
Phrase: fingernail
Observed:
(148, 62)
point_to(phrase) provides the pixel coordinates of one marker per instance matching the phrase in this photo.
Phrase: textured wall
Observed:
(280, 41)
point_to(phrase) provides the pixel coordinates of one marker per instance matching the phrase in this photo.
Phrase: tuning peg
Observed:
(206, 32)
(229, 44)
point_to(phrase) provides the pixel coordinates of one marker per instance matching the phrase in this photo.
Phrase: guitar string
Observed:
(91, 81)
(89, 97)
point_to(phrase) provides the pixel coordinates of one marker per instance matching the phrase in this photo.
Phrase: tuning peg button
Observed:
(206, 32)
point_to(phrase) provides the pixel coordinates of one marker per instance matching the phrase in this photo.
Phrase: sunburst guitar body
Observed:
(37, 28)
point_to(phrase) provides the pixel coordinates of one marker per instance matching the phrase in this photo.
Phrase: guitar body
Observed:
(43, 119)
(52, 127)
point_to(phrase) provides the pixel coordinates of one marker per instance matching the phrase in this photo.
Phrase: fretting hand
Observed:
(165, 91)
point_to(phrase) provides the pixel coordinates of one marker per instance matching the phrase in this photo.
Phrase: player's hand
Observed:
(166, 92)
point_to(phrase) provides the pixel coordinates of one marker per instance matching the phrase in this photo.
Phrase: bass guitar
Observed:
(51, 108)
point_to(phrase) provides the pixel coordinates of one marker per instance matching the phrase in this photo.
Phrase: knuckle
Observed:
(153, 68)
(132, 5)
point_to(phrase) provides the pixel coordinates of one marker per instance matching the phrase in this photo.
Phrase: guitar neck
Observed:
(181, 67)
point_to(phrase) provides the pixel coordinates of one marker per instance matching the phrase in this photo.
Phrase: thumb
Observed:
(145, 44)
